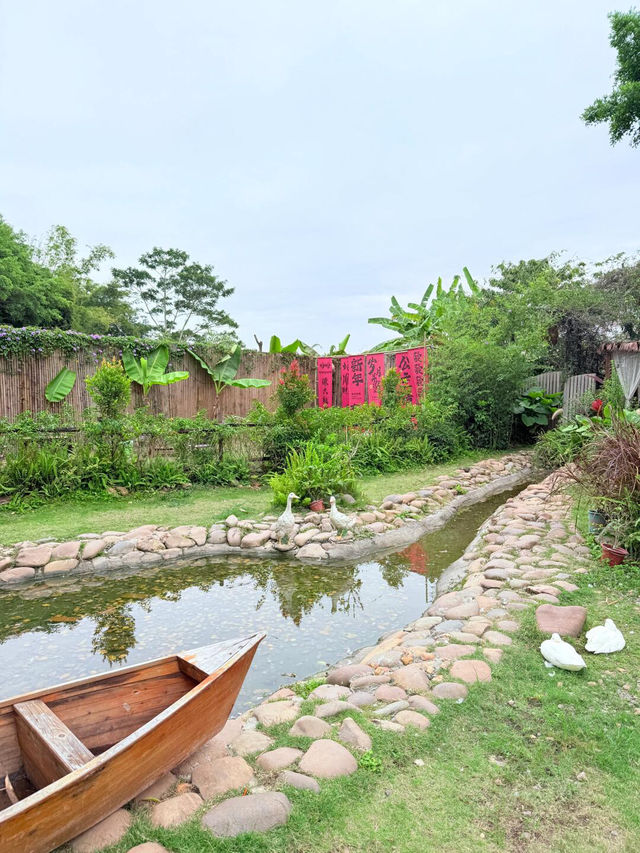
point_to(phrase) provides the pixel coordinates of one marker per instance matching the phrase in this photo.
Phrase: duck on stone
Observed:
(561, 654)
(285, 524)
(605, 639)
(340, 521)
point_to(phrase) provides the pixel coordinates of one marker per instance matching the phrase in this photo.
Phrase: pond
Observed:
(313, 616)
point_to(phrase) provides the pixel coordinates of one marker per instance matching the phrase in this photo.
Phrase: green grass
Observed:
(198, 505)
(532, 762)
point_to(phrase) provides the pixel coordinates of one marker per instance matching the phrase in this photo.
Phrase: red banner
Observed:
(357, 380)
(411, 366)
(345, 381)
(374, 365)
(325, 383)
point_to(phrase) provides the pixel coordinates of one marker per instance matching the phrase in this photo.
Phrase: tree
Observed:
(621, 109)
(30, 295)
(179, 298)
(96, 308)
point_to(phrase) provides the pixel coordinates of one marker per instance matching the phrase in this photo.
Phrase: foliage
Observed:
(304, 688)
(536, 406)
(621, 109)
(294, 390)
(179, 298)
(315, 471)
(369, 761)
(110, 389)
(339, 348)
(395, 390)
(60, 386)
(423, 320)
(224, 374)
(149, 371)
(276, 345)
(482, 381)
(29, 342)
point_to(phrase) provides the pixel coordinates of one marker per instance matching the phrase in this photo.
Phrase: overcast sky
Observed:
(321, 155)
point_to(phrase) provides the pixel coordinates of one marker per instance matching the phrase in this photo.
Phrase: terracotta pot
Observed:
(316, 506)
(613, 554)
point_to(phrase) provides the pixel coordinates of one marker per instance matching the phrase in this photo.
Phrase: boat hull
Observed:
(67, 807)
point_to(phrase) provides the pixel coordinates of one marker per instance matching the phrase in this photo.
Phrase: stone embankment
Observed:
(399, 520)
(525, 555)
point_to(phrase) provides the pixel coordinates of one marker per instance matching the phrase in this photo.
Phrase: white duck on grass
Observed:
(561, 654)
(340, 521)
(604, 639)
(285, 524)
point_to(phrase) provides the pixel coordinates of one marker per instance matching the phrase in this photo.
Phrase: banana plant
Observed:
(224, 374)
(276, 345)
(60, 386)
(422, 320)
(150, 371)
(341, 348)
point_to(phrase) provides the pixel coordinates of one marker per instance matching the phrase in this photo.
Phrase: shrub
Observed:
(110, 389)
(294, 390)
(315, 471)
(483, 381)
(395, 391)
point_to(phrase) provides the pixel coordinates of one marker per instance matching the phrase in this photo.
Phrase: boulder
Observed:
(450, 690)
(19, 573)
(217, 536)
(250, 742)
(566, 621)
(272, 713)
(222, 775)
(108, 831)
(234, 537)
(412, 678)
(255, 540)
(344, 674)
(496, 638)
(158, 789)
(148, 847)
(93, 549)
(351, 733)
(253, 813)
(412, 718)
(175, 810)
(66, 551)
(329, 691)
(389, 693)
(330, 709)
(327, 759)
(34, 557)
(278, 759)
(312, 551)
(471, 671)
(59, 567)
(299, 780)
(421, 703)
(309, 727)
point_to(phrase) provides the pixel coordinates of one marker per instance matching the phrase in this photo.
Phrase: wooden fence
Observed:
(23, 382)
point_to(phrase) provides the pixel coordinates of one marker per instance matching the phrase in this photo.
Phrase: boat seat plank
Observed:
(50, 750)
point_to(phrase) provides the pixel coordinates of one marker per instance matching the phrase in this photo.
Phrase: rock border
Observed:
(396, 523)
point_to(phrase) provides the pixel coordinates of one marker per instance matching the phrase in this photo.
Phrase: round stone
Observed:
(450, 690)
(471, 671)
(327, 759)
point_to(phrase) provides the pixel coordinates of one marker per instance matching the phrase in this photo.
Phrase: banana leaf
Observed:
(60, 386)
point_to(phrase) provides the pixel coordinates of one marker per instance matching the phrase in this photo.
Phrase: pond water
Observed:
(313, 616)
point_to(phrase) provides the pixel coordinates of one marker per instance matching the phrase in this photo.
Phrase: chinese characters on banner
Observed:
(345, 381)
(411, 366)
(375, 371)
(325, 383)
(357, 380)
(360, 377)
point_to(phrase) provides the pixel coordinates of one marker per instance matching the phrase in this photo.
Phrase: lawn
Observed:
(531, 762)
(198, 505)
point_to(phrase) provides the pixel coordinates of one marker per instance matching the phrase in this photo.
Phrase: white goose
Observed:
(561, 654)
(604, 639)
(285, 524)
(340, 521)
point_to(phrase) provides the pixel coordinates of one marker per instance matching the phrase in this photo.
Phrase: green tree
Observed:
(30, 294)
(178, 298)
(621, 109)
(97, 308)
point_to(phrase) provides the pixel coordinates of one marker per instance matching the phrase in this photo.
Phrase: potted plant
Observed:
(613, 552)
(317, 505)
(597, 521)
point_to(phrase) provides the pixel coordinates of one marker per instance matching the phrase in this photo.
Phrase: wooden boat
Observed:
(79, 751)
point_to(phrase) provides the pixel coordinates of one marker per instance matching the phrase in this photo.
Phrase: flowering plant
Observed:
(294, 389)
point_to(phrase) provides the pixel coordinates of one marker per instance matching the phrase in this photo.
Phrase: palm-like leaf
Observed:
(60, 386)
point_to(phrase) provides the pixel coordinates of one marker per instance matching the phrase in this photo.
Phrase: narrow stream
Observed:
(66, 629)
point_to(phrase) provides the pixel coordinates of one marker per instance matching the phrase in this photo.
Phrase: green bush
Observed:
(483, 381)
(314, 472)
(294, 390)
(110, 389)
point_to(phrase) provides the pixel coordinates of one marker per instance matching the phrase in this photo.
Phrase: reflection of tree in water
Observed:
(299, 588)
(114, 634)
(394, 569)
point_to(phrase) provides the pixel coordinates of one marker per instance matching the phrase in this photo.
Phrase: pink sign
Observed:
(345, 381)
(357, 380)
(325, 383)
(375, 371)
(420, 363)
(405, 367)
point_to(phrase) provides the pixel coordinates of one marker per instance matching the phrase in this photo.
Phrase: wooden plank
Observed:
(65, 808)
(49, 749)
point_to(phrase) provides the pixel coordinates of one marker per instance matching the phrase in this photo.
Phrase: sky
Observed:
(321, 154)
